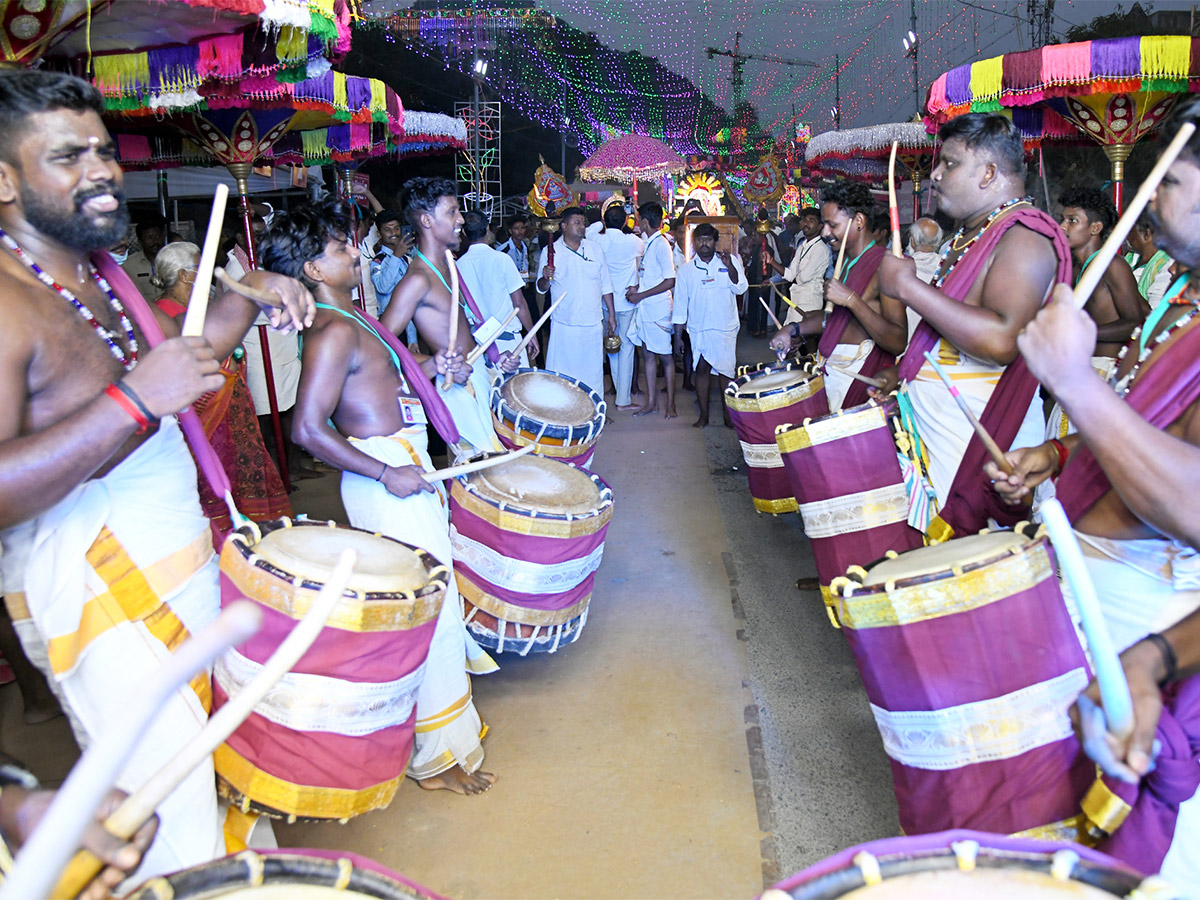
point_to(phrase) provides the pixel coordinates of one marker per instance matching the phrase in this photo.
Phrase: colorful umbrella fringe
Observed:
(631, 156)
(871, 141)
(1165, 63)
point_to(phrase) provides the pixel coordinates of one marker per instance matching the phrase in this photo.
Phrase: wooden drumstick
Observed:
(1090, 279)
(893, 206)
(140, 805)
(771, 313)
(538, 324)
(1110, 676)
(452, 343)
(837, 269)
(267, 298)
(468, 468)
(50, 846)
(481, 349)
(993, 448)
(193, 320)
(874, 382)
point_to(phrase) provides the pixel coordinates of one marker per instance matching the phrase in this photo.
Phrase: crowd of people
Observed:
(108, 535)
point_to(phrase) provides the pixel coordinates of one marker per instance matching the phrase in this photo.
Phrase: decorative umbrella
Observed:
(1115, 90)
(765, 184)
(550, 192)
(630, 157)
(827, 152)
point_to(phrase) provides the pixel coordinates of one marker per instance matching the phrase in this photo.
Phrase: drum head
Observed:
(982, 884)
(311, 552)
(772, 381)
(537, 483)
(294, 891)
(965, 552)
(548, 397)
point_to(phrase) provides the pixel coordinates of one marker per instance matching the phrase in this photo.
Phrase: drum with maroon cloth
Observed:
(971, 662)
(759, 402)
(560, 414)
(969, 865)
(333, 738)
(284, 875)
(845, 475)
(528, 536)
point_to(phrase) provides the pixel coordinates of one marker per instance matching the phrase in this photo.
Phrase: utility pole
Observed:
(837, 87)
(916, 61)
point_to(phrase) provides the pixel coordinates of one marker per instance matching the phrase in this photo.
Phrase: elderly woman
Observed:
(227, 414)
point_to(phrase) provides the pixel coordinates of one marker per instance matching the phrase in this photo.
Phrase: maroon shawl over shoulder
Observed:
(972, 501)
(858, 280)
(1161, 393)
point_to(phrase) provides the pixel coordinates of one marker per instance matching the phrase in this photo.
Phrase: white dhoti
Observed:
(578, 351)
(471, 410)
(719, 348)
(448, 730)
(1058, 425)
(654, 335)
(845, 356)
(943, 429)
(102, 588)
(622, 368)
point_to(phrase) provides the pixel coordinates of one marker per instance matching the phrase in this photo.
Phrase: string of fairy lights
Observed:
(557, 60)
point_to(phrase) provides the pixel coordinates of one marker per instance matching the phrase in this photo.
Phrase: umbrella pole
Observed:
(916, 189)
(1117, 154)
(635, 199)
(345, 190)
(241, 172)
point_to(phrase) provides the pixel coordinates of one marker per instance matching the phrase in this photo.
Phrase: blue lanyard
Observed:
(354, 317)
(1152, 320)
(472, 320)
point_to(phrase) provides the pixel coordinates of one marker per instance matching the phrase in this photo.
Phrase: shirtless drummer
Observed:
(423, 297)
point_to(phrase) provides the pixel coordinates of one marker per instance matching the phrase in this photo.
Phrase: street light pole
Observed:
(916, 62)
(837, 86)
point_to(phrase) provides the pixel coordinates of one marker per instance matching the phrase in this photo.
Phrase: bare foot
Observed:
(700, 423)
(670, 413)
(456, 779)
(646, 410)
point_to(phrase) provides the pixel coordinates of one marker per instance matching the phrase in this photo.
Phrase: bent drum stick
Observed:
(267, 298)
(481, 349)
(452, 343)
(1108, 252)
(989, 442)
(49, 848)
(468, 468)
(1110, 676)
(538, 324)
(893, 206)
(193, 320)
(140, 805)
(874, 382)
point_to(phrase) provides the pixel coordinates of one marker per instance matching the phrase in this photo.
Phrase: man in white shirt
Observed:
(622, 252)
(580, 274)
(515, 247)
(706, 292)
(651, 326)
(806, 271)
(925, 239)
(495, 283)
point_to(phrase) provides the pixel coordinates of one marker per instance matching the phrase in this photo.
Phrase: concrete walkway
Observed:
(623, 761)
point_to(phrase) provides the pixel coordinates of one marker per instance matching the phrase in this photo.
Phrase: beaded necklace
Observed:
(127, 360)
(1123, 386)
(966, 248)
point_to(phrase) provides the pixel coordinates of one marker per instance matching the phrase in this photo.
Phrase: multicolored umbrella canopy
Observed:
(1115, 91)
(630, 157)
(832, 151)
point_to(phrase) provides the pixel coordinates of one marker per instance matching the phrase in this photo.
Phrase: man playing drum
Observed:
(861, 335)
(423, 296)
(108, 561)
(1125, 477)
(362, 407)
(996, 273)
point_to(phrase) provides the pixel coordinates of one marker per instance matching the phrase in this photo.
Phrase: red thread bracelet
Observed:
(129, 406)
(1063, 453)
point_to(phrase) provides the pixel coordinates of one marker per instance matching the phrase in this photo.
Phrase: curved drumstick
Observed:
(837, 269)
(771, 313)
(481, 349)
(893, 206)
(468, 468)
(61, 829)
(193, 320)
(1090, 279)
(267, 298)
(989, 442)
(1110, 676)
(537, 325)
(140, 805)
(452, 343)
(874, 382)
